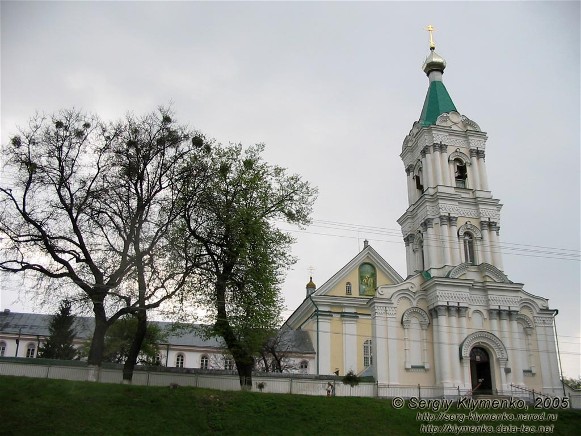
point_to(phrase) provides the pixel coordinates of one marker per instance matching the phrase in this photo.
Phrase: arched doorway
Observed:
(480, 371)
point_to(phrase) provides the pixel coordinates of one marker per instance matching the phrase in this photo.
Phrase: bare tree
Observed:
(92, 204)
(276, 352)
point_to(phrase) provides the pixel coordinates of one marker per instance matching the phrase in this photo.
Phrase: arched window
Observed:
(180, 359)
(348, 288)
(228, 364)
(304, 367)
(367, 353)
(204, 362)
(460, 173)
(2, 348)
(469, 248)
(30, 350)
(415, 322)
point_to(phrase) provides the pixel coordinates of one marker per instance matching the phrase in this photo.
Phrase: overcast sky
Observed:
(333, 89)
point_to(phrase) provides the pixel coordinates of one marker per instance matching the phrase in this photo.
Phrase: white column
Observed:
(324, 351)
(483, 174)
(465, 367)
(411, 184)
(379, 343)
(493, 317)
(409, 254)
(443, 342)
(475, 170)
(495, 246)
(445, 167)
(455, 378)
(505, 335)
(432, 241)
(426, 248)
(427, 167)
(393, 346)
(445, 238)
(437, 166)
(517, 350)
(547, 353)
(455, 246)
(452, 172)
(485, 242)
(436, 345)
(350, 351)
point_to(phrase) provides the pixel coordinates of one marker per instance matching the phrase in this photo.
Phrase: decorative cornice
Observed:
(543, 321)
(496, 301)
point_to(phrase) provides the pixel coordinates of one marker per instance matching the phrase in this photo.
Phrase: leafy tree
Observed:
(120, 337)
(351, 379)
(244, 255)
(92, 204)
(572, 382)
(59, 344)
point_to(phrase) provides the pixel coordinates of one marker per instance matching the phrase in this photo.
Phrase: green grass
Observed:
(30, 406)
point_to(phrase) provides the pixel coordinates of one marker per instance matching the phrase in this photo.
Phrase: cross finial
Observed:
(311, 270)
(430, 30)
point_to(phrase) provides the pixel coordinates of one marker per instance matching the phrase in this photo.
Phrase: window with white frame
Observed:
(204, 362)
(30, 350)
(228, 364)
(180, 360)
(304, 367)
(2, 348)
(367, 353)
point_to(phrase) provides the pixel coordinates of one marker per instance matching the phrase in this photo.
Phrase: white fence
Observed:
(281, 383)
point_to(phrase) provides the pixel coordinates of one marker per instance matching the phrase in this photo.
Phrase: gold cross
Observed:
(431, 29)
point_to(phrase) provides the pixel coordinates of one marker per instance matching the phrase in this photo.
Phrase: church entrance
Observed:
(480, 371)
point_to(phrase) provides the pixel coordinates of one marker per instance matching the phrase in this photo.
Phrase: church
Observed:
(456, 322)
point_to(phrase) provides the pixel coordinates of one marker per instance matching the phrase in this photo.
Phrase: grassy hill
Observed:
(30, 406)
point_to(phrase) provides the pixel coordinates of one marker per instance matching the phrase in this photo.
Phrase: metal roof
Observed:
(179, 335)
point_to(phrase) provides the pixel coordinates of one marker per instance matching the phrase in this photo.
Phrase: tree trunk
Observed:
(245, 375)
(98, 342)
(244, 360)
(135, 348)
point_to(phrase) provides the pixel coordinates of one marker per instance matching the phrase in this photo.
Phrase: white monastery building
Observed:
(456, 322)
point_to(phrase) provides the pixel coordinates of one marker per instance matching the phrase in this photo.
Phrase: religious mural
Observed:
(367, 279)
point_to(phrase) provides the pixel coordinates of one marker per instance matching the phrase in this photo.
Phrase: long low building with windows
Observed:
(185, 346)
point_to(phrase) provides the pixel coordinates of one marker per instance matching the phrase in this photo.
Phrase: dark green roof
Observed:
(437, 102)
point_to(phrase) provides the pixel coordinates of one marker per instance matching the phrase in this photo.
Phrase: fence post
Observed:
(291, 386)
(419, 391)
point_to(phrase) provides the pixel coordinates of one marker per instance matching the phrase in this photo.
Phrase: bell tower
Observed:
(452, 217)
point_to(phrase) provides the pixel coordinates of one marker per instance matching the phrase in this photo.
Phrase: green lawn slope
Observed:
(30, 406)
